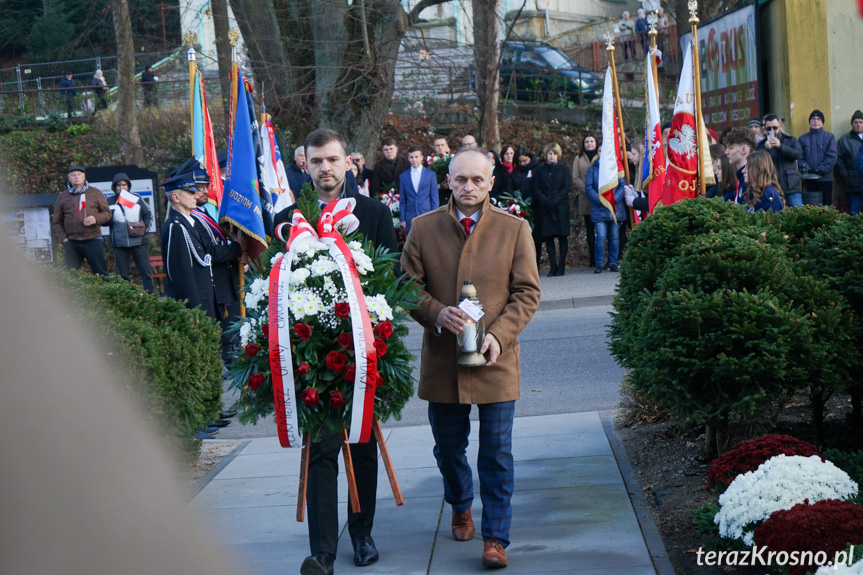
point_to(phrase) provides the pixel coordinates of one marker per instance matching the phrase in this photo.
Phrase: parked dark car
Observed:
(542, 73)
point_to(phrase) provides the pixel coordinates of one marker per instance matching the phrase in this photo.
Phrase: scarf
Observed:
(75, 192)
(507, 165)
(590, 154)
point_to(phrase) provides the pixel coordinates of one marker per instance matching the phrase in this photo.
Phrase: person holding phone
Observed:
(785, 151)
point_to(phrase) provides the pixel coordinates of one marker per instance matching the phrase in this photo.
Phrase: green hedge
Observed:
(721, 314)
(168, 355)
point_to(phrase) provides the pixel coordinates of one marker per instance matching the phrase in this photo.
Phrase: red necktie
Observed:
(467, 223)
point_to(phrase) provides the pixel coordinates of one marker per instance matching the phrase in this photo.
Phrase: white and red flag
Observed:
(681, 178)
(127, 200)
(273, 174)
(653, 164)
(610, 161)
(82, 202)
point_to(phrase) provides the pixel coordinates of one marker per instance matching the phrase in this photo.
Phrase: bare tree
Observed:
(128, 114)
(327, 63)
(223, 50)
(486, 53)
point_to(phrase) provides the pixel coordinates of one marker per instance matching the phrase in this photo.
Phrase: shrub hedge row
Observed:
(168, 355)
(721, 314)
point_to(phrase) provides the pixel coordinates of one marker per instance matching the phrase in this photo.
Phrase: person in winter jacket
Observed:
(606, 222)
(79, 211)
(785, 151)
(128, 208)
(848, 149)
(819, 155)
(580, 165)
(551, 197)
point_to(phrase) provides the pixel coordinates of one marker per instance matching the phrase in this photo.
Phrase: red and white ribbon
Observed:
(337, 219)
(390, 198)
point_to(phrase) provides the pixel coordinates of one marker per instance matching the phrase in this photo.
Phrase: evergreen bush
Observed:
(168, 355)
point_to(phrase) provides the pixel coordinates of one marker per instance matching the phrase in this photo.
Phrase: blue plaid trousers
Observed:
(450, 423)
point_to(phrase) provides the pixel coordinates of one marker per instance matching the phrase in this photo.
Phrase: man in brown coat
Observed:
(470, 240)
(79, 212)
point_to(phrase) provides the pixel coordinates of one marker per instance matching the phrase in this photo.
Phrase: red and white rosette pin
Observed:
(338, 218)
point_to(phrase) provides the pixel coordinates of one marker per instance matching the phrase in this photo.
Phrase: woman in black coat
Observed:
(551, 184)
(525, 164)
(501, 178)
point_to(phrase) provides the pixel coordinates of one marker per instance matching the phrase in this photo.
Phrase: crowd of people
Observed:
(69, 88)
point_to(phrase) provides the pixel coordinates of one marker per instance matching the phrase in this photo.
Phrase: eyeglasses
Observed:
(772, 128)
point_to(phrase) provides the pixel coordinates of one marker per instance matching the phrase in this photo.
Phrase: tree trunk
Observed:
(312, 53)
(128, 113)
(486, 53)
(223, 51)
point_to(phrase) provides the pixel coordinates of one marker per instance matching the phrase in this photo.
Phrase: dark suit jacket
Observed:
(224, 256)
(385, 174)
(413, 203)
(376, 221)
(186, 279)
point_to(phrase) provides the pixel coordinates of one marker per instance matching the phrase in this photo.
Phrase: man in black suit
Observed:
(327, 161)
(388, 170)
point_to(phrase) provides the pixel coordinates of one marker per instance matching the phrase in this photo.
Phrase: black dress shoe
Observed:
(318, 564)
(220, 423)
(228, 414)
(365, 552)
(598, 270)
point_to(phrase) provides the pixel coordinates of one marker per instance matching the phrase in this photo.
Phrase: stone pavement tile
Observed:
(559, 446)
(262, 445)
(247, 492)
(252, 525)
(565, 507)
(278, 464)
(274, 558)
(569, 472)
(579, 548)
(559, 424)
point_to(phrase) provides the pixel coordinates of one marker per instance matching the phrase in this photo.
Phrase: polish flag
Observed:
(127, 200)
(653, 164)
(610, 162)
(82, 203)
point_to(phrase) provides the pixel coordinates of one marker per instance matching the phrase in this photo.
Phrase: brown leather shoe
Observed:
(462, 526)
(493, 554)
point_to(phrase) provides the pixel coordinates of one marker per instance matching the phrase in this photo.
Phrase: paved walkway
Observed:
(571, 507)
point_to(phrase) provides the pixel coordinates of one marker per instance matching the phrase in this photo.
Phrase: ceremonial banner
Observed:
(681, 178)
(203, 143)
(265, 198)
(241, 202)
(273, 176)
(610, 164)
(653, 164)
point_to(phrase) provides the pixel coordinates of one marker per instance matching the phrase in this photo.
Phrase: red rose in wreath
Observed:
(337, 400)
(310, 396)
(265, 329)
(346, 340)
(304, 331)
(380, 347)
(256, 380)
(303, 368)
(343, 309)
(252, 349)
(379, 380)
(384, 330)
(336, 361)
(350, 373)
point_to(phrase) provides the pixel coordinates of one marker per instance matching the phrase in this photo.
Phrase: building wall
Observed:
(845, 43)
(196, 16)
(808, 55)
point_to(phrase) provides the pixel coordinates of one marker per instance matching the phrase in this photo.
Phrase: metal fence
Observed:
(33, 90)
(628, 48)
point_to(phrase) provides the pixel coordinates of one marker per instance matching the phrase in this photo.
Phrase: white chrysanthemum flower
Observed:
(779, 483)
(299, 276)
(363, 263)
(275, 258)
(259, 286)
(379, 309)
(323, 266)
(355, 245)
(247, 335)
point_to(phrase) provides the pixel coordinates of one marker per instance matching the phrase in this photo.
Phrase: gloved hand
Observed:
(630, 194)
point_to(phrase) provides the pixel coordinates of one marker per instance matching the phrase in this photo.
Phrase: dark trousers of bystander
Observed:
(76, 252)
(141, 255)
(591, 239)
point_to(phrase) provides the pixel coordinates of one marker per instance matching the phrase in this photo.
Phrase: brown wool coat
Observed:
(500, 259)
(580, 165)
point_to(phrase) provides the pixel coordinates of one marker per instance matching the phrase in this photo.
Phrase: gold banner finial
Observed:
(652, 19)
(693, 8)
(609, 40)
(233, 36)
(190, 38)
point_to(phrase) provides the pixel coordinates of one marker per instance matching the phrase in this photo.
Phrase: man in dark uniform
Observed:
(188, 271)
(327, 161)
(225, 260)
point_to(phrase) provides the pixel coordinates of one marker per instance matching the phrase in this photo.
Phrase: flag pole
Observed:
(610, 49)
(233, 36)
(652, 19)
(191, 38)
(699, 120)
